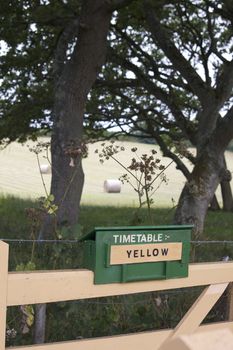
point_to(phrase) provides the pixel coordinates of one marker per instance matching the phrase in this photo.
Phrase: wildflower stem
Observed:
(41, 175)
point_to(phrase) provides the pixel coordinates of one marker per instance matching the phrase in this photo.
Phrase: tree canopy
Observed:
(168, 75)
(139, 78)
(29, 32)
(52, 51)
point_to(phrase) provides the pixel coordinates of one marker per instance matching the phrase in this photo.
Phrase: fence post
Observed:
(4, 248)
(230, 302)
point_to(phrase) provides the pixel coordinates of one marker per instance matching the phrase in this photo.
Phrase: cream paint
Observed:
(140, 253)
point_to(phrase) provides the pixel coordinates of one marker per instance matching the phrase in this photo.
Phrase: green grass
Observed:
(15, 224)
(13, 220)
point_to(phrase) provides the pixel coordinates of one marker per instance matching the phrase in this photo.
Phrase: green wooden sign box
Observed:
(126, 254)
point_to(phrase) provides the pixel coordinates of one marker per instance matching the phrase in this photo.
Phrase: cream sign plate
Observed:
(141, 253)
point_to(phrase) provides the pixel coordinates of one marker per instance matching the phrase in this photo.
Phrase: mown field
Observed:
(19, 176)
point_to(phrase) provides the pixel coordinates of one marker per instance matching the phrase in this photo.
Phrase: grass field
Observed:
(19, 176)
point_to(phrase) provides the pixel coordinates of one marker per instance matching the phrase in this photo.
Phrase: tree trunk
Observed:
(40, 318)
(226, 189)
(72, 87)
(71, 93)
(200, 189)
(67, 181)
(227, 196)
(214, 205)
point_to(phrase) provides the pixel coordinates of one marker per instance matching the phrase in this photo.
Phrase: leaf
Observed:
(29, 266)
(30, 315)
(51, 198)
(27, 318)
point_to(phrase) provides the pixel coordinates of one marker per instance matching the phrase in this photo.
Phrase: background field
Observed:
(19, 176)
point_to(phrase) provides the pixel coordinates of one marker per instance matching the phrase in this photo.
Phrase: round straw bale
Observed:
(112, 186)
(45, 169)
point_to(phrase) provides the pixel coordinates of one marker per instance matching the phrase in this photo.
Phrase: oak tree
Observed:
(169, 77)
(52, 52)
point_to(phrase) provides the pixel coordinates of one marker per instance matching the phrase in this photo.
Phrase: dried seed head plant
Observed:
(145, 172)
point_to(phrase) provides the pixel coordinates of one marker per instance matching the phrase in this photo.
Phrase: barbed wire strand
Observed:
(168, 293)
(13, 240)
(161, 294)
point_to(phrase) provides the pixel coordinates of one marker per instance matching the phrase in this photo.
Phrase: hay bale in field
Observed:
(112, 186)
(45, 169)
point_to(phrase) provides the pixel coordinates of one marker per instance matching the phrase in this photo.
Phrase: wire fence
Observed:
(64, 241)
(69, 253)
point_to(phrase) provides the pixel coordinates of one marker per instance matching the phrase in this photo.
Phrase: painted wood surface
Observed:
(230, 301)
(140, 253)
(220, 339)
(52, 286)
(193, 318)
(3, 291)
(139, 341)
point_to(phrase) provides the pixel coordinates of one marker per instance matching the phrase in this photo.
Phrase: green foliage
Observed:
(71, 232)
(13, 223)
(49, 205)
(29, 266)
(29, 33)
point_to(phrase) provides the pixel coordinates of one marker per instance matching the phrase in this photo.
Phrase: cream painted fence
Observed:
(21, 288)
(220, 339)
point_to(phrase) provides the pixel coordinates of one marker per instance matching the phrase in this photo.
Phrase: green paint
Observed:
(98, 244)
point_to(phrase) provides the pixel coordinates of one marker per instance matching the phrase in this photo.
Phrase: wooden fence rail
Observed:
(221, 339)
(22, 288)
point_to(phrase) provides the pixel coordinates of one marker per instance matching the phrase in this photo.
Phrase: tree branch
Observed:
(224, 83)
(116, 83)
(118, 4)
(168, 153)
(224, 133)
(136, 48)
(159, 93)
(161, 37)
(64, 39)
